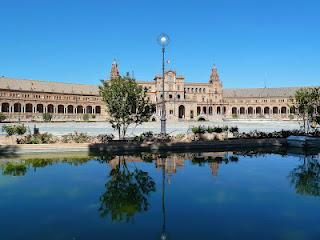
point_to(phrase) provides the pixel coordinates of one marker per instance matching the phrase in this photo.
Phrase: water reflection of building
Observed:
(173, 162)
(214, 168)
(113, 163)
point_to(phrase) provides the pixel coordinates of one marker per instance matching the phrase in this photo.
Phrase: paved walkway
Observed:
(173, 128)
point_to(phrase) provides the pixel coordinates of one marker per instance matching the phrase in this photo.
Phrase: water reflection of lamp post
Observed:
(163, 40)
(164, 235)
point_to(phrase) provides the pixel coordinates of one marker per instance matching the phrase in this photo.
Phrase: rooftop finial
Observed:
(214, 74)
(114, 70)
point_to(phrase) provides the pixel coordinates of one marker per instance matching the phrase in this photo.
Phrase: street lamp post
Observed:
(163, 40)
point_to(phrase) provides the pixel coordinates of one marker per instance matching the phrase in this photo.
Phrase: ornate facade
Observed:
(27, 100)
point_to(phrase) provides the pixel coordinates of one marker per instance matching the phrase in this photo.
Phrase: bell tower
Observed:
(114, 73)
(215, 80)
(214, 76)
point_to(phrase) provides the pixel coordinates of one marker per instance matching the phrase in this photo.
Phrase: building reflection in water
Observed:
(126, 183)
(214, 168)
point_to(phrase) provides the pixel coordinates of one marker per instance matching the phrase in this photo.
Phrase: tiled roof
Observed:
(86, 89)
(45, 86)
(260, 92)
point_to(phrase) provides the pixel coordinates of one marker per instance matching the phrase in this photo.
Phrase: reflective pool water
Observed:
(156, 196)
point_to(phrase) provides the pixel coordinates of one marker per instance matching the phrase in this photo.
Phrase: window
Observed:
(191, 114)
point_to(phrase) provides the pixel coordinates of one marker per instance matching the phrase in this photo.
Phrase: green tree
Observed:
(47, 117)
(2, 117)
(306, 104)
(126, 103)
(126, 193)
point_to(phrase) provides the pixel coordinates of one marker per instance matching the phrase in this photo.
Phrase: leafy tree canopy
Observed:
(126, 103)
(306, 104)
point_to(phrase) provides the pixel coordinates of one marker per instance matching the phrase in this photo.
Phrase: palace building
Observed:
(27, 100)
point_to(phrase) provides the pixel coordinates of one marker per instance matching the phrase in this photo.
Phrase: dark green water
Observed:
(181, 196)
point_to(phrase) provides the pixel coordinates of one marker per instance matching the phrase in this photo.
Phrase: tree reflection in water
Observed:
(127, 192)
(306, 177)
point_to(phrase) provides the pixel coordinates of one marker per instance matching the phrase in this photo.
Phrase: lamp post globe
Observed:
(163, 41)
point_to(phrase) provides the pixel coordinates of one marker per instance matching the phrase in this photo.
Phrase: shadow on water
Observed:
(8, 150)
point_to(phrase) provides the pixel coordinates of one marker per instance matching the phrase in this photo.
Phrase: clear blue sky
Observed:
(276, 42)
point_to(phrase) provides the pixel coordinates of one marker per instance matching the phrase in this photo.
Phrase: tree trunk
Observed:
(119, 133)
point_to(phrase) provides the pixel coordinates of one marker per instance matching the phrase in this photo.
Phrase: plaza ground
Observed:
(173, 128)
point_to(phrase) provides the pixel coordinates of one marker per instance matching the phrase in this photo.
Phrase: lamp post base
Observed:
(163, 126)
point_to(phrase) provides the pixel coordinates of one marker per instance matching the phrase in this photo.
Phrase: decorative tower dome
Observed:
(114, 70)
(214, 77)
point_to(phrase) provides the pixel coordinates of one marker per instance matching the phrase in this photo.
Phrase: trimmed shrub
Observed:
(20, 129)
(104, 138)
(10, 130)
(86, 117)
(47, 117)
(199, 130)
(210, 130)
(146, 136)
(180, 136)
(234, 129)
(217, 130)
(44, 138)
(225, 128)
(14, 129)
(2, 117)
(76, 137)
